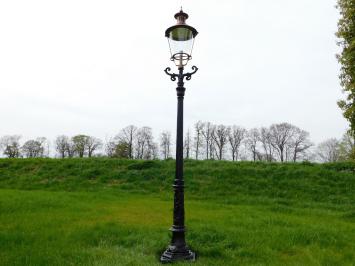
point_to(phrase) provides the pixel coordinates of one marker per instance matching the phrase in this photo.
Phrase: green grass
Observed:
(117, 212)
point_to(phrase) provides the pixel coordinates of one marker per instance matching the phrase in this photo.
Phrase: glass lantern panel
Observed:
(177, 47)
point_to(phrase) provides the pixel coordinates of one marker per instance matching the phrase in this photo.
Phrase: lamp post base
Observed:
(174, 253)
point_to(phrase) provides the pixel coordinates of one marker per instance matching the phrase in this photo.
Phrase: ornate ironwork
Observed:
(173, 76)
(188, 75)
(178, 250)
(182, 75)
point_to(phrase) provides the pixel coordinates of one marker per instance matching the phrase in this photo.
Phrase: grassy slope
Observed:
(245, 213)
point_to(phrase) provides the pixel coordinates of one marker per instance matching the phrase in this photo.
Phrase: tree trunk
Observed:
(282, 155)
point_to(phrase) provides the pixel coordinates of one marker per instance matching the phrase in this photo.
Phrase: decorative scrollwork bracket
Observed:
(181, 76)
(173, 76)
(188, 75)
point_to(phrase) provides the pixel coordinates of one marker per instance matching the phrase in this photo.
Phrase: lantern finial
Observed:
(181, 17)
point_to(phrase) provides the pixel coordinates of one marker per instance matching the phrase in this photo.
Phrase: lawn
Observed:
(116, 212)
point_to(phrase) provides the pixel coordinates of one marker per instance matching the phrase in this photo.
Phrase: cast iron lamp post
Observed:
(181, 39)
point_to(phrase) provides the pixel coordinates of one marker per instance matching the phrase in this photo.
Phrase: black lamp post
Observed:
(181, 39)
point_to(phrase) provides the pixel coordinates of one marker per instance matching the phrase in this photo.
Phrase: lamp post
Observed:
(181, 39)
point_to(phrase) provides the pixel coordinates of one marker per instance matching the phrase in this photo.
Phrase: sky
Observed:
(94, 67)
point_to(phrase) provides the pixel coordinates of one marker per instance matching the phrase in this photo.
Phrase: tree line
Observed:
(281, 142)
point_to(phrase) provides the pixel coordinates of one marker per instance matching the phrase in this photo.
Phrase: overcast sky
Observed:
(93, 67)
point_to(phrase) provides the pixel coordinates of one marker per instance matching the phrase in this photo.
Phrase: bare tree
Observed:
(235, 138)
(198, 139)
(165, 143)
(187, 144)
(92, 144)
(153, 147)
(280, 136)
(328, 151)
(110, 147)
(299, 143)
(127, 135)
(10, 145)
(140, 144)
(220, 138)
(141, 140)
(71, 148)
(145, 146)
(207, 131)
(212, 146)
(151, 151)
(61, 144)
(266, 141)
(252, 142)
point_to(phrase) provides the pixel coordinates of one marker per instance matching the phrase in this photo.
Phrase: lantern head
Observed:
(181, 39)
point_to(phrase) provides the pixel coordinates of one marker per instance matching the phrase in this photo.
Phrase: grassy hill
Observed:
(117, 212)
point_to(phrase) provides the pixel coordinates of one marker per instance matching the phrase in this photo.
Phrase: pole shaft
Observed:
(178, 249)
(179, 210)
